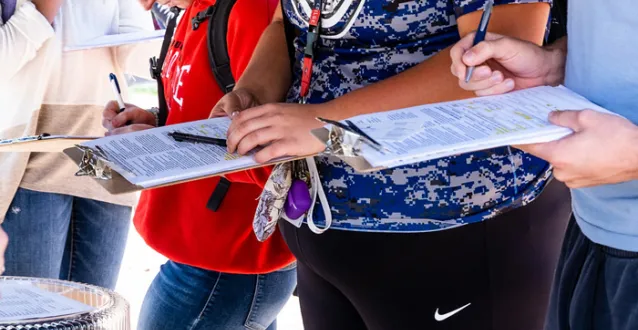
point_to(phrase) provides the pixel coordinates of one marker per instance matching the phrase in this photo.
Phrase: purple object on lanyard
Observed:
(8, 8)
(298, 200)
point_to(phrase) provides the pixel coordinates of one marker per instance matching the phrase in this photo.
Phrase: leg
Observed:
(37, 225)
(98, 236)
(323, 306)
(441, 280)
(594, 288)
(185, 297)
(392, 281)
(176, 297)
(524, 247)
(272, 292)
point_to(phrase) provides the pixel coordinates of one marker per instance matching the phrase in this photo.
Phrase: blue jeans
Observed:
(65, 237)
(186, 297)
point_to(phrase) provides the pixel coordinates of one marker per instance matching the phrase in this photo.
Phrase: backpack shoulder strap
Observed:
(218, 46)
(158, 64)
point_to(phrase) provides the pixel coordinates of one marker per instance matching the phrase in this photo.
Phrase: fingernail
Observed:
(509, 83)
(497, 77)
(468, 56)
(233, 114)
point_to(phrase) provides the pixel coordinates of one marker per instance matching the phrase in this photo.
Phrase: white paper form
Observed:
(451, 128)
(113, 40)
(151, 158)
(25, 301)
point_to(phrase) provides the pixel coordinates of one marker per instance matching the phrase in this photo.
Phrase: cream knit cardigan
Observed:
(35, 75)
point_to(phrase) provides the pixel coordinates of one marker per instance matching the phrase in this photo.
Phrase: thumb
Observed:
(567, 118)
(491, 48)
(234, 101)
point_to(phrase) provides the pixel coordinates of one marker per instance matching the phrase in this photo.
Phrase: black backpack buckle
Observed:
(202, 16)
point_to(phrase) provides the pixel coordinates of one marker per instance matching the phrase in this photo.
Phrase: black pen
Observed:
(480, 33)
(185, 137)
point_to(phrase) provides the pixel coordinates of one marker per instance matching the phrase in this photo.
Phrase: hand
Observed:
(4, 241)
(234, 102)
(48, 8)
(283, 128)
(116, 123)
(601, 151)
(513, 64)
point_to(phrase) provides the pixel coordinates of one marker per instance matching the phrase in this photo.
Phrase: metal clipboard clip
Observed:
(346, 139)
(93, 163)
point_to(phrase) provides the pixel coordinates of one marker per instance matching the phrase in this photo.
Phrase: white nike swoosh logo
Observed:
(443, 317)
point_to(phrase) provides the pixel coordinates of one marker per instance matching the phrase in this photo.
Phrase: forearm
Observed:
(557, 55)
(431, 80)
(268, 75)
(21, 38)
(407, 89)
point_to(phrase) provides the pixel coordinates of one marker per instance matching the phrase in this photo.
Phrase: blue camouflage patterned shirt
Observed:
(365, 41)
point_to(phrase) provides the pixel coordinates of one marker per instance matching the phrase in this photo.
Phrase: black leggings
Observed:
(502, 268)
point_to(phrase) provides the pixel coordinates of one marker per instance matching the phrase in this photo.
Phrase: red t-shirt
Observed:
(174, 220)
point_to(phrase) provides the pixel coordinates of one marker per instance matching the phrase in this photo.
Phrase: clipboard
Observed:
(94, 161)
(356, 146)
(114, 40)
(42, 143)
(92, 164)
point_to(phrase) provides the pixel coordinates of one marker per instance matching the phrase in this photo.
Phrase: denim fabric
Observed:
(65, 237)
(186, 297)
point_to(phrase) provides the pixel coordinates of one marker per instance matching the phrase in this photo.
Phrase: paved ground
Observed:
(141, 263)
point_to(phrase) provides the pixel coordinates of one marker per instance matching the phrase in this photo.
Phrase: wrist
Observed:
(155, 112)
(327, 110)
(555, 58)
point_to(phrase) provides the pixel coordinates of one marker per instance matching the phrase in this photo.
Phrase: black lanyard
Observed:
(314, 26)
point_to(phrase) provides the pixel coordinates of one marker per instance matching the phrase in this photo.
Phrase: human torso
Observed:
(364, 42)
(601, 66)
(174, 220)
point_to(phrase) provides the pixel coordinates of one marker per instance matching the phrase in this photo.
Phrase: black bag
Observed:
(217, 15)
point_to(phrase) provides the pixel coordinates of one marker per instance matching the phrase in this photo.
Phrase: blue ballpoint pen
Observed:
(480, 34)
(117, 91)
(118, 94)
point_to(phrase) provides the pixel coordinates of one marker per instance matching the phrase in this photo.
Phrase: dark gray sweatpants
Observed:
(595, 287)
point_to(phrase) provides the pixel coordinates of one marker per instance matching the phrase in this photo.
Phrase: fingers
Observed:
(129, 129)
(257, 138)
(576, 120)
(147, 4)
(130, 116)
(236, 101)
(456, 53)
(248, 122)
(482, 78)
(461, 48)
(491, 48)
(110, 111)
(274, 150)
(543, 151)
(503, 87)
